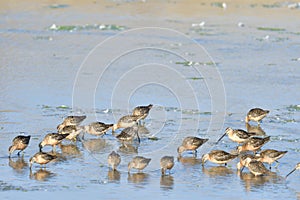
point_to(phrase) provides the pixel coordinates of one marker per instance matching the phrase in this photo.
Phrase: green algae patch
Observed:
(270, 29)
(71, 28)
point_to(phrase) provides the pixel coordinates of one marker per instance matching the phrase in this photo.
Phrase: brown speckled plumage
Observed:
(253, 144)
(270, 155)
(20, 143)
(256, 114)
(139, 163)
(237, 135)
(142, 111)
(166, 163)
(191, 144)
(218, 157)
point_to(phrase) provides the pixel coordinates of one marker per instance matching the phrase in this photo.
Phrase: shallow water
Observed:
(48, 73)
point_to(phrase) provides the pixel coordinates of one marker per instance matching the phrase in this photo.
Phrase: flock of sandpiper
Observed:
(248, 142)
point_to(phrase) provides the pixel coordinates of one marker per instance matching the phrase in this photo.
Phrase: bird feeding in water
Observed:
(191, 144)
(19, 143)
(166, 163)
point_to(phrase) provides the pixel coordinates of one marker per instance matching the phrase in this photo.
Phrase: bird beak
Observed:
(220, 138)
(290, 173)
(138, 137)
(242, 168)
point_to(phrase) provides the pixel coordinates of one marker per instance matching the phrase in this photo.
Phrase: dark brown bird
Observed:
(19, 143)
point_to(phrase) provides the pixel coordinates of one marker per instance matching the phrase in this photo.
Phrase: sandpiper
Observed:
(218, 157)
(237, 135)
(138, 163)
(128, 134)
(270, 155)
(256, 114)
(126, 121)
(166, 163)
(20, 143)
(41, 158)
(257, 168)
(72, 130)
(52, 139)
(142, 111)
(114, 160)
(297, 167)
(97, 128)
(71, 120)
(241, 164)
(253, 144)
(191, 143)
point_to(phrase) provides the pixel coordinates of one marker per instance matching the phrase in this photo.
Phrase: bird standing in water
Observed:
(20, 143)
(256, 114)
(166, 163)
(97, 128)
(257, 168)
(71, 120)
(191, 144)
(139, 163)
(41, 158)
(253, 144)
(52, 139)
(269, 156)
(126, 121)
(237, 135)
(128, 134)
(142, 111)
(114, 160)
(218, 157)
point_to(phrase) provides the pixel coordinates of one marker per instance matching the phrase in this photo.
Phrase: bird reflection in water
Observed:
(114, 176)
(167, 182)
(41, 175)
(137, 178)
(189, 160)
(255, 129)
(143, 130)
(128, 148)
(251, 181)
(17, 164)
(94, 145)
(217, 171)
(70, 150)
